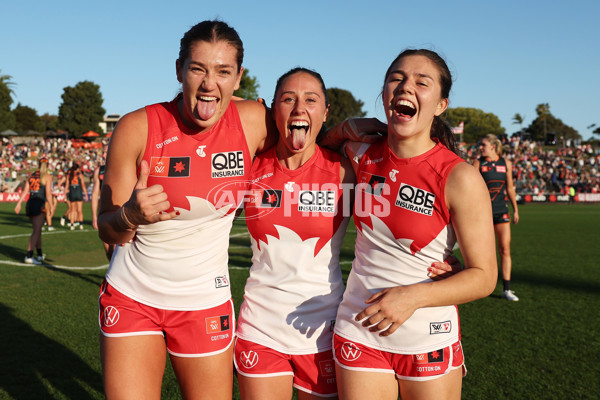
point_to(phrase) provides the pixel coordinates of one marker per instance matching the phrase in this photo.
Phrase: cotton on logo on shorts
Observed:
(110, 316)
(350, 351)
(249, 358)
(327, 368)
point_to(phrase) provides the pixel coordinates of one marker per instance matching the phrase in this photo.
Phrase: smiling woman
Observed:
(296, 246)
(158, 199)
(397, 330)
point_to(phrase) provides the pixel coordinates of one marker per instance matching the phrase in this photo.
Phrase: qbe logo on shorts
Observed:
(228, 164)
(415, 199)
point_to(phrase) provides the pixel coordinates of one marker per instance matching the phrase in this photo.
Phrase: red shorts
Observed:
(187, 333)
(415, 367)
(313, 373)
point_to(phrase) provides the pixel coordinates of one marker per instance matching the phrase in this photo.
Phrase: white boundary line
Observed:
(20, 264)
(105, 266)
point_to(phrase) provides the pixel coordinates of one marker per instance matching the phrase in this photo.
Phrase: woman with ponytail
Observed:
(397, 331)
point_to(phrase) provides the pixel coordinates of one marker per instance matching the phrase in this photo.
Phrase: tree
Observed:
(50, 122)
(27, 119)
(342, 105)
(7, 119)
(248, 87)
(547, 123)
(519, 119)
(477, 122)
(81, 109)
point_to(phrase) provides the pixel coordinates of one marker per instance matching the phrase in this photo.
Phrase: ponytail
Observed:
(441, 131)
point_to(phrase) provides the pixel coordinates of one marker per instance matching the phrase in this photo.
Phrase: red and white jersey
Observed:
(182, 264)
(296, 222)
(403, 225)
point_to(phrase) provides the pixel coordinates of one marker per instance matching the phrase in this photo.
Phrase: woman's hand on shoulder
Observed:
(366, 130)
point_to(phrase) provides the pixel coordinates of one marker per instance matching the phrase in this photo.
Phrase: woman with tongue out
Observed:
(297, 220)
(175, 174)
(397, 331)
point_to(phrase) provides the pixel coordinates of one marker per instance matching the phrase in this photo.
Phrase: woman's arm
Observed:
(511, 192)
(23, 195)
(366, 130)
(95, 197)
(83, 187)
(48, 187)
(469, 205)
(126, 202)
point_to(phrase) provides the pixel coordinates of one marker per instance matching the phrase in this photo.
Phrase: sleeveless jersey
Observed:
(37, 190)
(494, 175)
(75, 189)
(403, 225)
(182, 263)
(296, 222)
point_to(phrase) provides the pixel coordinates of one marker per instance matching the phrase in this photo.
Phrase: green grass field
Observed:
(543, 347)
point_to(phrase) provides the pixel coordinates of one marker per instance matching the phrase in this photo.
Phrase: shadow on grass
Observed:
(13, 252)
(36, 367)
(555, 282)
(95, 279)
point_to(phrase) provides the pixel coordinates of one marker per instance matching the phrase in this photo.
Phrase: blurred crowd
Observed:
(541, 169)
(537, 169)
(20, 157)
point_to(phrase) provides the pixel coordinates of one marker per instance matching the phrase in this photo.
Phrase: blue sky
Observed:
(506, 57)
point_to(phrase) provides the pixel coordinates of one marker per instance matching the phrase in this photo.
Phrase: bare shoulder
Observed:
(258, 125)
(465, 182)
(130, 134)
(132, 121)
(463, 176)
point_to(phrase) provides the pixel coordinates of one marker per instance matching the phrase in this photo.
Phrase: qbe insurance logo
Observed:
(316, 201)
(414, 199)
(228, 164)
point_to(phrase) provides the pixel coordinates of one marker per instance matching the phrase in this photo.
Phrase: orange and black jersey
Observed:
(494, 175)
(36, 188)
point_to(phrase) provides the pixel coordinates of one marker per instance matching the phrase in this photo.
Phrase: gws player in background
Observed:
(38, 187)
(397, 331)
(167, 289)
(497, 174)
(76, 192)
